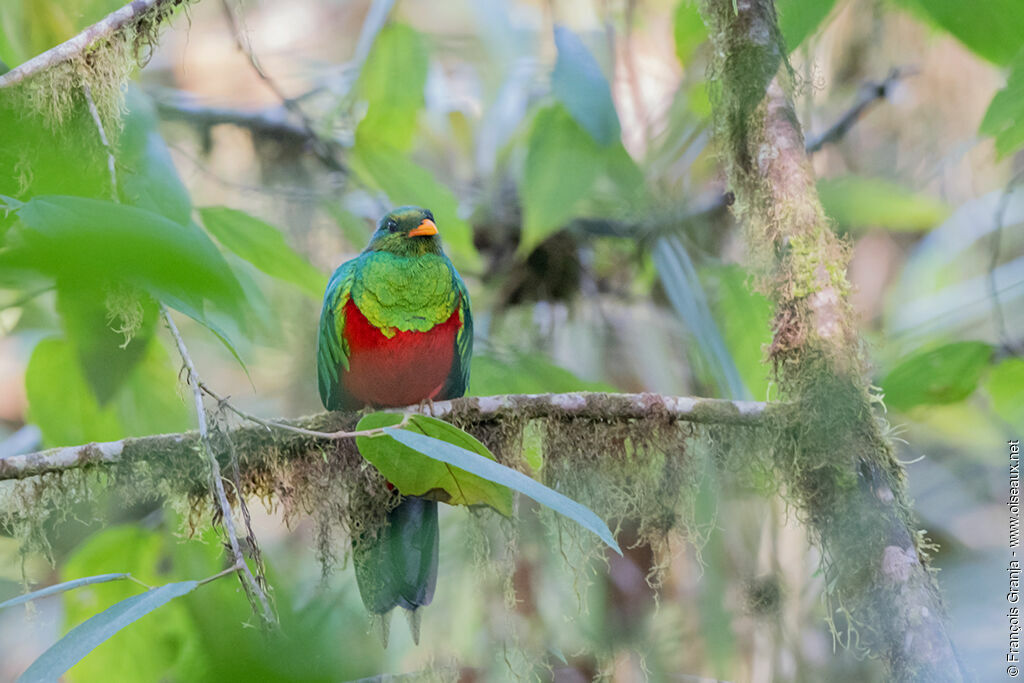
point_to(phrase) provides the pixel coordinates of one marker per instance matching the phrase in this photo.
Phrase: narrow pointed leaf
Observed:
(61, 587)
(939, 376)
(488, 469)
(580, 85)
(84, 638)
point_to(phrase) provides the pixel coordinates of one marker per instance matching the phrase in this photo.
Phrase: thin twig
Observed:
(317, 143)
(227, 516)
(111, 161)
(270, 424)
(871, 93)
(76, 46)
(252, 585)
(230, 570)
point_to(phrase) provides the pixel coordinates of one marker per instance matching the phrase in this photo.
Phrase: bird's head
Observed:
(406, 231)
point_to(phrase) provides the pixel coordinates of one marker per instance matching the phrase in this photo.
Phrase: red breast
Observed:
(406, 368)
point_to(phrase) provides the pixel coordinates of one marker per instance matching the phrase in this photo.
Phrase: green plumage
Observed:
(395, 329)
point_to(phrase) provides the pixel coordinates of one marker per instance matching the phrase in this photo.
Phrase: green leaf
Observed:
(405, 182)
(92, 240)
(800, 18)
(84, 638)
(859, 202)
(392, 81)
(37, 158)
(262, 245)
(562, 163)
(688, 30)
(991, 29)
(62, 587)
(62, 405)
(60, 402)
(414, 475)
(579, 84)
(1005, 387)
(109, 327)
(947, 374)
(492, 471)
(146, 173)
(1004, 118)
(203, 637)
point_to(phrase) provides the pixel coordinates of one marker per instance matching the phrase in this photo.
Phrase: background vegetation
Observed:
(565, 149)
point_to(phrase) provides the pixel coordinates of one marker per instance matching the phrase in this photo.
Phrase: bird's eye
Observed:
(392, 224)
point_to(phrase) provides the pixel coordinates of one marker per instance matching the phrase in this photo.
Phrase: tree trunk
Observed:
(836, 462)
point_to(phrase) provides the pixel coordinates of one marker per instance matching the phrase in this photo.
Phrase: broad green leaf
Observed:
(1005, 387)
(92, 240)
(405, 182)
(36, 158)
(688, 30)
(946, 374)
(515, 372)
(414, 475)
(62, 587)
(146, 173)
(630, 188)
(992, 28)
(109, 327)
(203, 637)
(84, 638)
(492, 471)
(63, 406)
(392, 81)
(1004, 119)
(800, 18)
(262, 245)
(562, 163)
(859, 202)
(579, 84)
(60, 401)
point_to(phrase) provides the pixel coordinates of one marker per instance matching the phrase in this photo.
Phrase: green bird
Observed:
(396, 329)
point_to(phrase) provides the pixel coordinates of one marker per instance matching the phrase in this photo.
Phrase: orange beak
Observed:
(427, 227)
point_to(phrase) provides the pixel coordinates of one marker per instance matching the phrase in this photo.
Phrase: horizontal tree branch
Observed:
(272, 122)
(470, 410)
(871, 93)
(77, 45)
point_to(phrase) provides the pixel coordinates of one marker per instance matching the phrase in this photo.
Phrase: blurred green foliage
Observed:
(204, 636)
(553, 125)
(946, 374)
(858, 203)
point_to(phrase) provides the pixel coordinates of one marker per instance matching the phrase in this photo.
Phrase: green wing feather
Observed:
(332, 350)
(458, 377)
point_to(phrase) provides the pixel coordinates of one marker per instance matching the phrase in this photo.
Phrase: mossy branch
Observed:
(839, 464)
(469, 411)
(76, 47)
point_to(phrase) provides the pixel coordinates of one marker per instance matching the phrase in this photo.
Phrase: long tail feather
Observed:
(399, 567)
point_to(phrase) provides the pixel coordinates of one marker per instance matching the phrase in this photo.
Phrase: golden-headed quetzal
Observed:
(396, 329)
